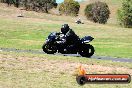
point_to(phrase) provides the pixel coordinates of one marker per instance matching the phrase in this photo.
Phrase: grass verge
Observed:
(24, 70)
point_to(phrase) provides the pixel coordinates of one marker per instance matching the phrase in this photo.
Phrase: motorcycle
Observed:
(54, 44)
(79, 22)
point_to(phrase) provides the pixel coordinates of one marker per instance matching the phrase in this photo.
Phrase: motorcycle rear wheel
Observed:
(49, 49)
(87, 50)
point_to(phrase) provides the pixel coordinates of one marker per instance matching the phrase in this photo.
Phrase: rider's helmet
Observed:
(65, 28)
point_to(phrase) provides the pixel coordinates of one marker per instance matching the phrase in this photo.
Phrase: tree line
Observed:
(34, 5)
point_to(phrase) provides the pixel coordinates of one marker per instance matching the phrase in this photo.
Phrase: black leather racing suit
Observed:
(70, 37)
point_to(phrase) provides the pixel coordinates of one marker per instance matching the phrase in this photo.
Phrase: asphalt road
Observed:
(75, 55)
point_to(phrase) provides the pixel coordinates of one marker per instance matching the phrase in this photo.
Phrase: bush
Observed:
(40, 5)
(125, 14)
(10, 2)
(97, 12)
(69, 7)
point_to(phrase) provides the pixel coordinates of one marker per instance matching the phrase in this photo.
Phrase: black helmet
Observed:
(64, 28)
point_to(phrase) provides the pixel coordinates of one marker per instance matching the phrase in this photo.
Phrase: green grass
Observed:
(26, 34)
(30, 32)
(25, 70)
(16, 34)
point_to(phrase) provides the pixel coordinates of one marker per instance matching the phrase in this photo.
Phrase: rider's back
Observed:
(71, 37)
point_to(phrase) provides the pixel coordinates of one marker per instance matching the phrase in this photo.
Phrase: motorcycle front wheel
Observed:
(49, 49)
(87, 50)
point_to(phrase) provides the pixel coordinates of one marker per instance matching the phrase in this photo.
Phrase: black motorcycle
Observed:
(54, 44)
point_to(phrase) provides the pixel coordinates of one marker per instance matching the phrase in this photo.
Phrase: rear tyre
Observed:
(49, 49)
(87, 50)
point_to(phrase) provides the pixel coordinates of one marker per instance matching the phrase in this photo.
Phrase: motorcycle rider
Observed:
(70, 36)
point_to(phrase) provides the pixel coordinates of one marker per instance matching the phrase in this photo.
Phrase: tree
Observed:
(69, 7)
(17, 3)
(41, 5)
(97, 12)
(125, 14)
(45, 5)
(10, 2)
(35, 5)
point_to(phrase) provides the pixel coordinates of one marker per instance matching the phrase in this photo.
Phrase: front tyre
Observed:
(49, 49)
(87, 50)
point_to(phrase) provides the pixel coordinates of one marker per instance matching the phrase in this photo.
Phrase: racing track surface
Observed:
(76, 55)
